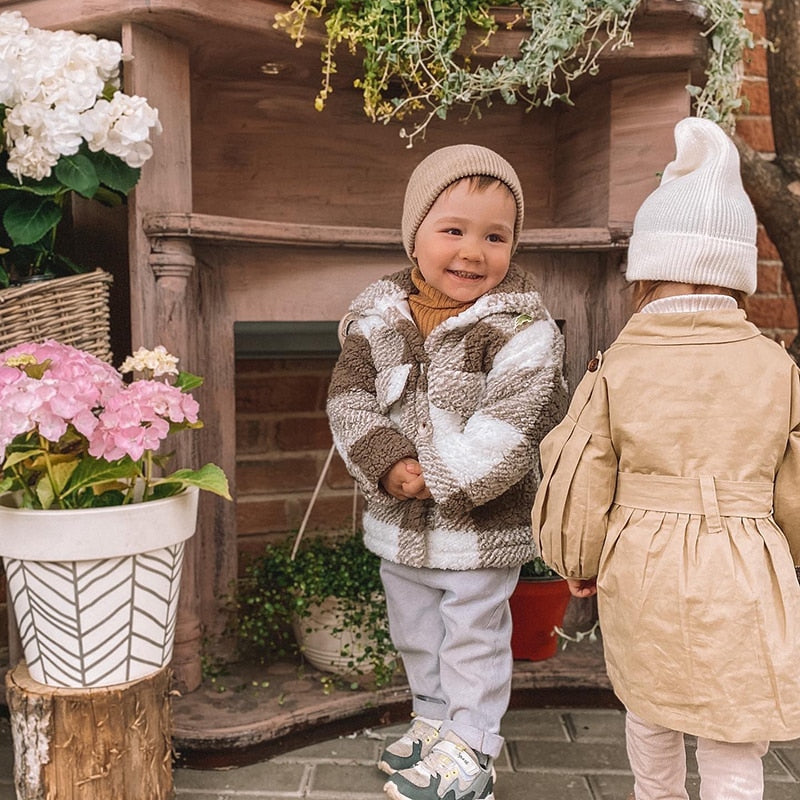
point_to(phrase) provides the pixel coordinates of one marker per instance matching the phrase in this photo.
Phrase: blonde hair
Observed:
(643, 291)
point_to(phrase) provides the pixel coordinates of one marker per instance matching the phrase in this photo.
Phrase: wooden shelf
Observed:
(233, 230)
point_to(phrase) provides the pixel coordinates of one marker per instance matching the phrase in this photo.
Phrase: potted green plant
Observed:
(66, 129)
(92, 525)
(325, 603)
(419, 63)
(538, 604)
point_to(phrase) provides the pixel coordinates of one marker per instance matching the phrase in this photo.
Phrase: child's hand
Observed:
(582, 588)
(404, 481)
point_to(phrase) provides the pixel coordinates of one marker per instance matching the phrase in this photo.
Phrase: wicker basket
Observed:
(71, 310)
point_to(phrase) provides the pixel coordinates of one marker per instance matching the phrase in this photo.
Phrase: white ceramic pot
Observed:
(326, 644)
(95, 591)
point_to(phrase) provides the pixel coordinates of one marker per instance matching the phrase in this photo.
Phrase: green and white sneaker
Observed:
(450, 771)
(412, 746)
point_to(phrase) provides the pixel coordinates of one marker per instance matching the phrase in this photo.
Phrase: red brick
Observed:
(274, 475)
(260, 516)
(755, 59)
(756, 94)
(338, 476)
(252, 548)
(331, 512)
(265, 394)
(757, 132)
(303, 433)
(769, 278)
(255, 435)
(772, 312)
(766, 249)
(259, 366)
(754, 19)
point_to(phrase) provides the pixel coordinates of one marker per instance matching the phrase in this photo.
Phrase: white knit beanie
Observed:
(699, 225)
(445, 166)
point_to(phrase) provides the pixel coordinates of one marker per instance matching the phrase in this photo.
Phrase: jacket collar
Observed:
(697, 327)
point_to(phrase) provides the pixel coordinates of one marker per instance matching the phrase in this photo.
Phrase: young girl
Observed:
(672, 489)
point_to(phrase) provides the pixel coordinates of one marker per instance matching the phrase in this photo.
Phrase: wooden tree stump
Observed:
(91, 744)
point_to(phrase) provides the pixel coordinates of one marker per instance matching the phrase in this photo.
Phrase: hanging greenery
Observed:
(415, 65)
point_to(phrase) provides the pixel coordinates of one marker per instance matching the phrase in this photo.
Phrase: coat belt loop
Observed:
(708, 493)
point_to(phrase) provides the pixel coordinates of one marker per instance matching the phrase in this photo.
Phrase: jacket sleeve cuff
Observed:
(376, 452)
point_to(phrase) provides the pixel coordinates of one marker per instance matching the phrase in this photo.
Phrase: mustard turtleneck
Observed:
(430, 306)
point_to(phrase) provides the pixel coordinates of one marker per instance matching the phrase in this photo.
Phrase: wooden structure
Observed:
(91, 744)
(257, 207)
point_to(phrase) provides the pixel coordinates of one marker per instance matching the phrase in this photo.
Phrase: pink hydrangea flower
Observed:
(137, 419)
(84, 437)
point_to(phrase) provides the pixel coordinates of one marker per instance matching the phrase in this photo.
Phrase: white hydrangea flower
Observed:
(8, 85)
(13, 27)
(53, 83)
(28, 158)
(156, 362)
(121, 127)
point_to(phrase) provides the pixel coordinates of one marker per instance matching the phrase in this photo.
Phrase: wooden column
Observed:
(162, 280)
(172, 263)
(91, 744)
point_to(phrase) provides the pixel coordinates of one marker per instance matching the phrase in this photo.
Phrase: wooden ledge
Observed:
(233, 230)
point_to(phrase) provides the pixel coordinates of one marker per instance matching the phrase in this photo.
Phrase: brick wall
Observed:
(772, 308)
(282, 441)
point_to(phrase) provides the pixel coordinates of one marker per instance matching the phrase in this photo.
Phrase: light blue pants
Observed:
(452, 629)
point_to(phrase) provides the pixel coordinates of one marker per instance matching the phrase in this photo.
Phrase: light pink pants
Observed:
(728, 770)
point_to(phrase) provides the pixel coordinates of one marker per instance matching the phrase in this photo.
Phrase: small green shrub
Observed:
(276, 588)
(537, 568)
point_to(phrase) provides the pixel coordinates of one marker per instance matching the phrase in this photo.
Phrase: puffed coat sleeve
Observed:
(580, 472)
(364, 434)
(787, 480)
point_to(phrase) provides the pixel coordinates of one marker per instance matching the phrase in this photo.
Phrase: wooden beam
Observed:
(233, 230)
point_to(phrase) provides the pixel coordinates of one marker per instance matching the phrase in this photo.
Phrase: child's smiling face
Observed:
(463, 246)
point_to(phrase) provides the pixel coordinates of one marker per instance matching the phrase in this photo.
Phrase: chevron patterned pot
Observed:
(95, 591)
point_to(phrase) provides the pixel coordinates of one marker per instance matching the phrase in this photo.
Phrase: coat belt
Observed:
(707, 495)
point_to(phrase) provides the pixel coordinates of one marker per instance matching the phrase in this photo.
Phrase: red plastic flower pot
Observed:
(537, 607)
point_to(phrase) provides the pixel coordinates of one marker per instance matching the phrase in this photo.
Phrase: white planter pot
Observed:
(324, 649)
(95, 591)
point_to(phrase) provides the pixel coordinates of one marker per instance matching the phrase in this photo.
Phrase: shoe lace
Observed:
(422, 730)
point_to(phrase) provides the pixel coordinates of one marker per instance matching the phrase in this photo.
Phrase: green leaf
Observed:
(210, 478)
(23, 455)
(77, 172)
(91, 472)
(45, 493)
(114, 172)
(46, 186)
(29, 218)
(108, 197)
(186, 381)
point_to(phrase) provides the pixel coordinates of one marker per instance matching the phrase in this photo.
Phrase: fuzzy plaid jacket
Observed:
(471, 403)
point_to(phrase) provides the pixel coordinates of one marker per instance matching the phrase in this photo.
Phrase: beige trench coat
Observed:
(675, 479)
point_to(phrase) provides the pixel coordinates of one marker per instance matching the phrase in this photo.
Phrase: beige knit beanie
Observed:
(699, 225)
(445, 166)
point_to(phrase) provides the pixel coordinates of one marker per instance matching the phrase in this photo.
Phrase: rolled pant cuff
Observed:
(490, 744)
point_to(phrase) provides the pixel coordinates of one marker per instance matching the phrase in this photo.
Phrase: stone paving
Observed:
(550, 753)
